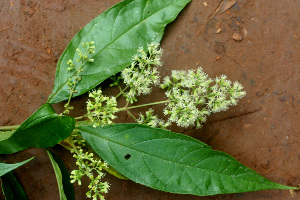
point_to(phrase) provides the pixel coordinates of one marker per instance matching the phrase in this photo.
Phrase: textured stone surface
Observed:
(262, 131)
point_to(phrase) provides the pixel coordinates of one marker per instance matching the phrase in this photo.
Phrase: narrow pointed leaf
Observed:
(42, 129)
(172, 162)
(5, 168)
(117, 33)
(66, 190)
(11, 187)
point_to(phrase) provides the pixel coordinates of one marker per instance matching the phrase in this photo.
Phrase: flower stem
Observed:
(72, 90)
(80, 117)
(9, 128)
(15, 127)
(121, 91)
(142, 105)
(131, 115)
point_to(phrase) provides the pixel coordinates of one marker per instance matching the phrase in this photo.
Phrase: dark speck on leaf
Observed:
(127, 157)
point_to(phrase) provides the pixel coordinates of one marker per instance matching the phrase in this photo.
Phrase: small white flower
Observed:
(192, 98)
(152, 120)
(141, 75)
(101, 109)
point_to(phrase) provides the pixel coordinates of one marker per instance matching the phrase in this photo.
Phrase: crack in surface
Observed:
(239, 115)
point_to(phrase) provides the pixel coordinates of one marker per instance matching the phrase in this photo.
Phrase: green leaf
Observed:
(4, 135)
(11, 187)
(114, 172)
(66, 190)
(172, 162)
(117, 33)
(42, 129)
(5, 168)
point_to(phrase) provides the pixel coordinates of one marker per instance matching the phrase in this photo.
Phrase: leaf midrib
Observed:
(28, 126)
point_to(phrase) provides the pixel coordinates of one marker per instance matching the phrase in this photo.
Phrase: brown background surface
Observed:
(262, 131)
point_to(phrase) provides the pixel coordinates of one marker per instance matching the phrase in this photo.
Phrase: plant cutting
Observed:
(122, 45)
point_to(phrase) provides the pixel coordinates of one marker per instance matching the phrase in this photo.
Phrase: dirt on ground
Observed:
(254, 42)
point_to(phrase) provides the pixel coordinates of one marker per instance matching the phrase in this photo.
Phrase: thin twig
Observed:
(131, 115)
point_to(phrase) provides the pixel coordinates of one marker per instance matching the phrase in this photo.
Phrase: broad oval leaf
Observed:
(172, 162)
(117, 33)
(42, 129)
(11, 187)
(5, 168)
(65, 187)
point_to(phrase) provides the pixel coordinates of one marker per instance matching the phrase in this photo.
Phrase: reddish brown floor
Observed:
(262, 131)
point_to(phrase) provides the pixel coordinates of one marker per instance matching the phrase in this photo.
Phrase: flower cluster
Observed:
(140, 76)
(182, 108)
(222, 94)
(192, 99)
(83, 58)
(72, 81)
(152, 120)
(101, 109)
(87, 166)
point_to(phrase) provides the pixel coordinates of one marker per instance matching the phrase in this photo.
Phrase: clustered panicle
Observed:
(83, 58)
(141, 75)
(101, 109)
(222, 94)
(192, 98)
(72, 81)
(88, 166)
(152, 120)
